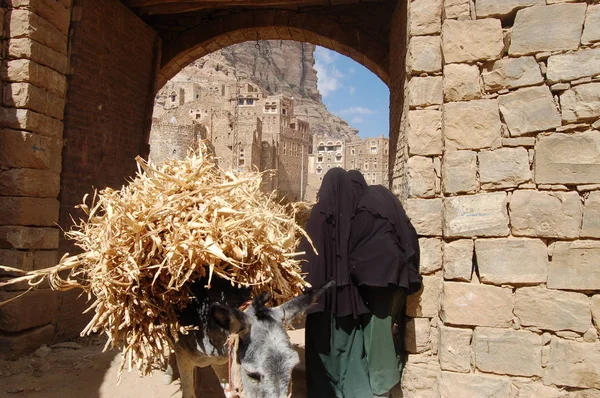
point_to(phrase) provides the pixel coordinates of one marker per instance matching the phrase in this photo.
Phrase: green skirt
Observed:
(349, 357)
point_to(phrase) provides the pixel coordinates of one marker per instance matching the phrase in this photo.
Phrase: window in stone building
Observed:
(338, 157)
(198, 115)
(352, 152)
(319, 169)
(242, 162)
(241, 101)
(385, 151)
(375, 165)
(320, 158)
(366, 165)
(284, 147)
(373, 150)
(197, 96)
(284, 111)
(173, 96)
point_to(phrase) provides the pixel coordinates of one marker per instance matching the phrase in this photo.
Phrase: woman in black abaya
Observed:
(350, 350)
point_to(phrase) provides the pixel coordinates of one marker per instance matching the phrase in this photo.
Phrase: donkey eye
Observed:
(254, 376)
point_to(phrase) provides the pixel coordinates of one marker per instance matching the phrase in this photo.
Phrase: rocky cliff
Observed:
(278, 67)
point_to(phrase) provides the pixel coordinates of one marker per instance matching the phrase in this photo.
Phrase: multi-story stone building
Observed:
(369, 156)
(247, 129)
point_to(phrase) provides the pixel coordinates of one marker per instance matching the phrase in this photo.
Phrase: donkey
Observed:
(265, 353)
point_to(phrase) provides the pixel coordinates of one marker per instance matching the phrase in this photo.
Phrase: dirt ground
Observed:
(80, 369)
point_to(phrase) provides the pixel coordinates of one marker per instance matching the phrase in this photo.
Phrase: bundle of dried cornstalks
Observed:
(169, 226)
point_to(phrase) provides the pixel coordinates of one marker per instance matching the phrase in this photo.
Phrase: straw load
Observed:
(142, 246)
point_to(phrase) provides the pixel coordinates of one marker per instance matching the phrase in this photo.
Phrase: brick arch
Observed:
(207, 37)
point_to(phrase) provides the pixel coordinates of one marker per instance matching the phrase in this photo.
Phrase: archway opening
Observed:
(281, 105)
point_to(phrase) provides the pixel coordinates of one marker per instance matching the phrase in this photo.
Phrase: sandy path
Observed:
(87, 372)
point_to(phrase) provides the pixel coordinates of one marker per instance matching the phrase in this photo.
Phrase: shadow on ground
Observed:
(85, 371)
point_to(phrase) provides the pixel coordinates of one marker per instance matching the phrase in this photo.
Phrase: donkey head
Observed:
(265, 352)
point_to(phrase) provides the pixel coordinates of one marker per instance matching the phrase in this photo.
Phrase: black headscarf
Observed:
(381, 202)
(329, 229)
(359, 185)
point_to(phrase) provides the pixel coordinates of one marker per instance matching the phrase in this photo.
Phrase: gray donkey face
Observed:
(265, 353)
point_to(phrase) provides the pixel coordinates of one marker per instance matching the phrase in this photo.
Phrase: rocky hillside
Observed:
(278, 67)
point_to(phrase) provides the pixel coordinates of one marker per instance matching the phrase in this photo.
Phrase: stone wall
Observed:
(168, 141)
(503, 185)
(34, 65)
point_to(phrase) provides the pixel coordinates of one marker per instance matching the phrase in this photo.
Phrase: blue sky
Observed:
(353, 93)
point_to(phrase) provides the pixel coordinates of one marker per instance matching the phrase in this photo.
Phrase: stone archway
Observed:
(366, 46)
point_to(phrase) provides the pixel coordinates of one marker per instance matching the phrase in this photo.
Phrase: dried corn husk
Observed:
(169, 226)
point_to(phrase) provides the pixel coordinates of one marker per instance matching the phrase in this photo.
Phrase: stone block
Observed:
(518, 141)
(421, 177)
(596, 310)
(459, 172)
(458, 260)
(547, 28)
(16, 259)
(591, 216)
(28, 211)
(472, 124)
(18, 237)
(512, 261)
(568, 158)
(545, 214)
(425, 91)
(417, 335)
(36, 308)
(420, 379)
(425, 302)
(591, 393)
(425, 132)
(457, 9)
(26, 24)
(424, 54)
(455, 349)
(512, 73)
(44, 259)
(50, 10)
(469, 41)
(552, 309)
(25, 119)
(504, 8)
(461, 82)
(534, 390)
(43, 55)
(573, 364)
(26, 150)
(529, 110)
(29, 182)
(591, 29)
(573, 66)
(426, 216)
(504, 168)
(508, 352)
(431, 255)
(425, 17)
(453, 385)
(476, 215)
(581, 103)
(26, 71)
(574, 266)
(469, 304)
(25, 95)
(13, 346)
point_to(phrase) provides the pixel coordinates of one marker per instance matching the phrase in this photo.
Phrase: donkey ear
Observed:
(293, 308)
(230, 319)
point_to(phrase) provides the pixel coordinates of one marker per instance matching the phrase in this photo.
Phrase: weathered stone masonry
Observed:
(504, 143)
